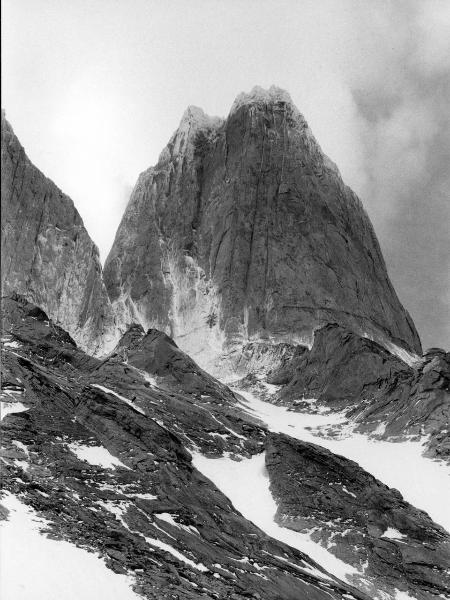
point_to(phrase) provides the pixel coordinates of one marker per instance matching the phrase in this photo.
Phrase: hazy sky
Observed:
(95, 88)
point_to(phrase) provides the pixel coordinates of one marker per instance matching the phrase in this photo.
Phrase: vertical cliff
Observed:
(244, 231)
(47, 254)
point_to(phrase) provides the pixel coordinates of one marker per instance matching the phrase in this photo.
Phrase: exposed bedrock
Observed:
(377, 391)
(244, 232)
(358, 518)
(157, 354)
(102, 453)
(46, 252)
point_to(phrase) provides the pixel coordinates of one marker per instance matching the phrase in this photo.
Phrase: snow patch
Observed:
(9, 344)
(424, 483)
(116, 508)
(168, 518)
(271, 389)
(399, 595)
(149, 379)
(381, 428)
(308, 568)
(411, 359)
(8, 408)
(344, 489)
(393, 534)
(96, 455)
(176, 553)
(34, 566)
(407, 357)
(21, 446)
(144, 496)
(235, 479)
(108, 391)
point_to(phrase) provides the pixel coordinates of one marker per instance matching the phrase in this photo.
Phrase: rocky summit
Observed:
(238, 406)
(244, 231)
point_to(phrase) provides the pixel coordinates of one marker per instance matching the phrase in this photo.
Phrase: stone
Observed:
(116, 511)
(244, 232)
(344, 371)
(358, 518)
(47, 254)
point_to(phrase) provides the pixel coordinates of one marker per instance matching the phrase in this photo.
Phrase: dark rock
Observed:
(205, 410)
(157, 354)
(375, 387)
(341, 369)
(350, 512)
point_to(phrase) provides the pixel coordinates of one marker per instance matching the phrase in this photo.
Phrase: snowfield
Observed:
(246, 484)
(423, 482)
(34, 567)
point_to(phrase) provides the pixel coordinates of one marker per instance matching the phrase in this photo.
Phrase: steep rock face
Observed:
(341, 369)
(361, 520)
(47, 254)
(244, 232)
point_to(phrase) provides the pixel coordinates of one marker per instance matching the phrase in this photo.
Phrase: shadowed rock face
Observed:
(47, 254)
(159, 356)
(244, 231)
(360, 520)
(375, 388)
(341, 369)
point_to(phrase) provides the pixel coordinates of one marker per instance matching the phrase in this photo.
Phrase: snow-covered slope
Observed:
(423, 482)
(36, 567)
(102, 454)
(235, 479)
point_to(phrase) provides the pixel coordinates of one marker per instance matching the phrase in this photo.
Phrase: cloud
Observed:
(402, 105)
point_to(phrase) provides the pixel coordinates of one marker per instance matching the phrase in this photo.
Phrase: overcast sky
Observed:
(95, 88)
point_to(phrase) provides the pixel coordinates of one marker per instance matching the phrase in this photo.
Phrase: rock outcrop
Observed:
(159, 356)
(47, 254)
(245, 233)
(359, 519)
(377, 390)
(103, 455)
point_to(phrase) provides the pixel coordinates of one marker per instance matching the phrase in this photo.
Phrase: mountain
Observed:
(243, 237)
(47, 254)
(101, 455)
(119, 457)
(244, 232)
(238, 407)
